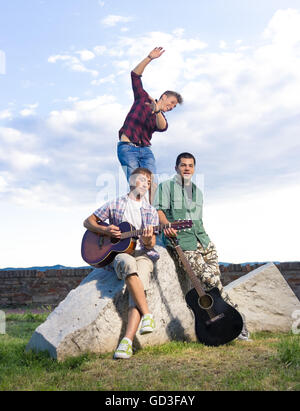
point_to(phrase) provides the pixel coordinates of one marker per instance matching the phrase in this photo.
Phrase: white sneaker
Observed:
(148, 324)
(124, 349)
(245, 334)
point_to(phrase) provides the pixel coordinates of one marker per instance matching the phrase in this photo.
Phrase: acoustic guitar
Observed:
(99, 250)
(216, 322)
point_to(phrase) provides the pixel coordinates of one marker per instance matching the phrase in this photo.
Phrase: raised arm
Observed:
(154, 54)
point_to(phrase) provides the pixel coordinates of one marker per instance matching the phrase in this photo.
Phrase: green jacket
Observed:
(172, 199)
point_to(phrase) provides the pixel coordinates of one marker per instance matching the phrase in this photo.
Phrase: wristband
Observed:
(150, 57)
(158, 111)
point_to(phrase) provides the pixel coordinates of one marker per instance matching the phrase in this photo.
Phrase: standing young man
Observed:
(144, 118)
(134, 269)
(179, 198)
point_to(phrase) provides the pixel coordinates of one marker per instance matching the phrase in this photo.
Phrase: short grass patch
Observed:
(270, 362)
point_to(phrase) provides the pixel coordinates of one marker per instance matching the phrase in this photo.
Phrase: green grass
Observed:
(270, 362)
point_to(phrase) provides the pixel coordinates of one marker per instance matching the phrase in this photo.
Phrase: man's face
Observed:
(142, 184)
(186, 168)
(168, 103)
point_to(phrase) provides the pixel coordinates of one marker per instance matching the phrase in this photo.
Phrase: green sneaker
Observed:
(148, 324)
(124, 349)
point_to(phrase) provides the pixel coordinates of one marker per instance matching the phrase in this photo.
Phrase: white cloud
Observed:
(3, 184)
(223, 45)
(113, 19)
(24, 161)
(100, 114)
(73, 63)
(108, 79)
(86, 55)
(19, 151)
(100, 50)
(29, 110)
(10, 136)
(6, 114)
(284, 28)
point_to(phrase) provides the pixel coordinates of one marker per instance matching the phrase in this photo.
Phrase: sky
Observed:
(65, 91)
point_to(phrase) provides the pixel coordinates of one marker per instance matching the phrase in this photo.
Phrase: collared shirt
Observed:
(178, 203)
(114, 212)
(140, 122)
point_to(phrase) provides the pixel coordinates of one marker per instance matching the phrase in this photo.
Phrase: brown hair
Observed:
(174, 94)
(145, 171)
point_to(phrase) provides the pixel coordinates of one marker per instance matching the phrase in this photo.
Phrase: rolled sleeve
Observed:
(137, 87)
(160, 130)
(103, 212)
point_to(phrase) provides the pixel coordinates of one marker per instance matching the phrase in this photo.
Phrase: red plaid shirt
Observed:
(140, 122)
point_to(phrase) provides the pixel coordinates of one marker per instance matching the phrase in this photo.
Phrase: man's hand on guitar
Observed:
(170, 232)
(113, 231)
(147, 236)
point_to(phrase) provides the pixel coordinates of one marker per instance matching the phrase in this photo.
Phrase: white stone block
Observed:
(265, 298)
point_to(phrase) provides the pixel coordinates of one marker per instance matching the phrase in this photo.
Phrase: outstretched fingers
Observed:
(156, 52)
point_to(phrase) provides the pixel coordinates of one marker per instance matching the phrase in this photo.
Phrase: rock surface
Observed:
(265, 298)
(93, 317)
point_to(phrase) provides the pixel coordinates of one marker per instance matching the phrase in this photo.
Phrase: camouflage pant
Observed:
(205, 264)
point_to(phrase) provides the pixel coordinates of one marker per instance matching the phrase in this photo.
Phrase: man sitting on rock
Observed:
(180, 199)
(136, 268)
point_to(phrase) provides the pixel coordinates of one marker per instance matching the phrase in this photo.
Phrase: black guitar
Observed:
(216, 322)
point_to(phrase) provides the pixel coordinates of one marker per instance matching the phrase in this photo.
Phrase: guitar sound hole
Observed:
(206, 301)
(115, 240)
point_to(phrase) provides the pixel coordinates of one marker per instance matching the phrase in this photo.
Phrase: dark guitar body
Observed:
(99, 251)
(223, 329)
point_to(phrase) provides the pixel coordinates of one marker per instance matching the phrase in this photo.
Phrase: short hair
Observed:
(144, 171)
(138, 171)
(174, 94)
(184, 155)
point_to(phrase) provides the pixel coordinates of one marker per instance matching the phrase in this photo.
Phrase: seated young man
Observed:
(134, 269)
(180, 199)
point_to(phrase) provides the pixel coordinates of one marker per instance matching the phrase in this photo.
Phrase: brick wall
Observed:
(37, 288)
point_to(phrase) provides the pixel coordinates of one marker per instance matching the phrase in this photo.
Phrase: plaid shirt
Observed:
(140, 122)
(114, 211)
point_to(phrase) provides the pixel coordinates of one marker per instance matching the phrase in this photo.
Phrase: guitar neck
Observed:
(190, 272)
(136, 233)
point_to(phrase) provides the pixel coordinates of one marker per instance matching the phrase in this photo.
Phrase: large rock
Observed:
(93, 317)
(265, 298)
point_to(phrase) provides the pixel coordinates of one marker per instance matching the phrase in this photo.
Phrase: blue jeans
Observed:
(132, 157)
